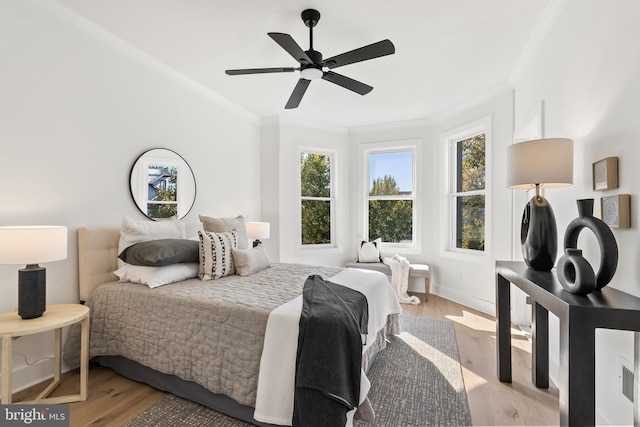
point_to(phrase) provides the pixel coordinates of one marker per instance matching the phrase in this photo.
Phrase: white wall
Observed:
(75, 113)
(588, 74)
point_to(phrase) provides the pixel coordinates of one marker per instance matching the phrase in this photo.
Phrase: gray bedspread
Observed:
(211, 332)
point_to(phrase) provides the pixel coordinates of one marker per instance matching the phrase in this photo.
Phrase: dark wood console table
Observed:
(579, 317)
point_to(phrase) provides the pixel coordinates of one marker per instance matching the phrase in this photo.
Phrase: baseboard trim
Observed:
(483, 306)
(27, 376)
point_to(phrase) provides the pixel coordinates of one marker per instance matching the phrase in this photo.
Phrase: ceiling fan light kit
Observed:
(311, 73)
(313, 67)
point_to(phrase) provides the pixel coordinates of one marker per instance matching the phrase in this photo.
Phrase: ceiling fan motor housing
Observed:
(310, 17)
(315, 56)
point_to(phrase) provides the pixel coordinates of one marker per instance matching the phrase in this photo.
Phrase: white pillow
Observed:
(133, 231)
(157, 276)
(369, 251)
(216, 259)
(249, 261)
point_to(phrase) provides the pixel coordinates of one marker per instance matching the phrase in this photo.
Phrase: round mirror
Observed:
(162, 184)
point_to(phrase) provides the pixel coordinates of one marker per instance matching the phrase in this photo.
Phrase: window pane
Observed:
(392, 220)
(315, 175)
(163, 183)
(470, 222)
(470, 167)
(162, 210)
(316, 222)
(162, 191)
(391, 173)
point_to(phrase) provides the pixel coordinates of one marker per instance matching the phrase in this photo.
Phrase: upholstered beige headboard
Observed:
(97, 257)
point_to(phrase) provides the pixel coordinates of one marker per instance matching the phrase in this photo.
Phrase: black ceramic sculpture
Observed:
(539, 235)
(575, 273)
(571, 269)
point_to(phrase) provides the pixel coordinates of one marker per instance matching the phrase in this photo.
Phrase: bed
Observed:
(221, 343)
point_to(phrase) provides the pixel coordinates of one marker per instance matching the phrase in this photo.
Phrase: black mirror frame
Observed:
(133, 167)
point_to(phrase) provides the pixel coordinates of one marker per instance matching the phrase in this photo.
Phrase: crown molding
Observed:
(77, 22)
(292, 121)
(391, 126)
(486, 96)
(548, 18)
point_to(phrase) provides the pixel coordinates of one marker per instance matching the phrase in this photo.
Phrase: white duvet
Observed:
(276, 381)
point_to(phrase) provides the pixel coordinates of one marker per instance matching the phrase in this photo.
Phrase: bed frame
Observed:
(97, 258)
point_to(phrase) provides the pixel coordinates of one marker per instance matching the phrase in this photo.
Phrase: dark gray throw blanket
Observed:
(329, 357)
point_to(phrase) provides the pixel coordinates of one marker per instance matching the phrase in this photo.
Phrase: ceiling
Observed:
(447, 51)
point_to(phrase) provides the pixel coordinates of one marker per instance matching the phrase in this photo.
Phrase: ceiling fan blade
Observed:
(259, 71)
(289, 44)
(375, 50)
(347, 83)
(298, 92)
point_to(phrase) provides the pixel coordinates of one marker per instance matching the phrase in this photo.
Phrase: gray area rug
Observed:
(416, 381)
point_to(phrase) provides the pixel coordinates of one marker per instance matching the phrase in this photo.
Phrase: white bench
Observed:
(415, 270)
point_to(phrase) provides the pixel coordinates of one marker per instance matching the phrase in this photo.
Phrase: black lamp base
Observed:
(539, 235)
(32, 291)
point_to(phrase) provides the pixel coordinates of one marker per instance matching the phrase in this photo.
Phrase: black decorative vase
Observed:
(539, 235)
(575, 273)
(608, 250)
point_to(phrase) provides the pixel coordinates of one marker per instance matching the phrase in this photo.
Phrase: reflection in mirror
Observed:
(162, 184)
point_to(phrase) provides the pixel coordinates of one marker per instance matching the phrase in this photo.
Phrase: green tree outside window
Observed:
(391, 220)
(391, 196)
(470, 197)
(317, 198)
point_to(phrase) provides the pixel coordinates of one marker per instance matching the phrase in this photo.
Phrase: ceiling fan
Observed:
(312, 66)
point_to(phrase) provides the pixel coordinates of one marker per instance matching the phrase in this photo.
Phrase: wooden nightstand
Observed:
(55, 317)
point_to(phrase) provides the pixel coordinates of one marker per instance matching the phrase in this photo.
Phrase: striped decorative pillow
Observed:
(216, 259)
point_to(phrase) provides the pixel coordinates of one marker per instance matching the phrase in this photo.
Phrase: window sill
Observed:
(467, 255)
(319, 248)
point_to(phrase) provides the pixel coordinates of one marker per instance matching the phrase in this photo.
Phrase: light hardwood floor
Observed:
(113, 400)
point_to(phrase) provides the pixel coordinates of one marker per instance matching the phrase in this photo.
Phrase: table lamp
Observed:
(257, 231)
(539, 163)
(30, 245)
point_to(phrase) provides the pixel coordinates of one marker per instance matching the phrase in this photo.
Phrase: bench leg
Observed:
(426, 289)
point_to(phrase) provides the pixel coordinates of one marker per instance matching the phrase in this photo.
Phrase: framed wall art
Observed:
(605, 174)
(616, 211)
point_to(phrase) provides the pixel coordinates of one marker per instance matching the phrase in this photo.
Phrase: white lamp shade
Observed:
(258, 230)
(32, 244)
(548, 162)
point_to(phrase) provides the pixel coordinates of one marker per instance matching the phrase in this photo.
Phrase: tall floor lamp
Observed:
(539, 163)
(31, 245)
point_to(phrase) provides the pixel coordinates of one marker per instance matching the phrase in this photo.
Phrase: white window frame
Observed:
(143, 183)
(412, 145)
(450, 139)
(332, 154)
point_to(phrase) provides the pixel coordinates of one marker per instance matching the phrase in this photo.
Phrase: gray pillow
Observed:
(249, 261)
(156, 253)
(220, 225)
